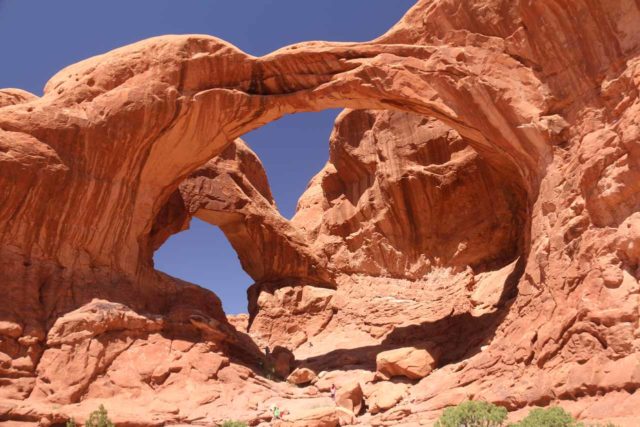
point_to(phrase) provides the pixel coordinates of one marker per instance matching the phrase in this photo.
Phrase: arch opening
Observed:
(406, 211)
(203, 255)
(291, 151)
(404, 208)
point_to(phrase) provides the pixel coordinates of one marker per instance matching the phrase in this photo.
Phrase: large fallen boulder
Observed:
(409, 362)
(301, 376)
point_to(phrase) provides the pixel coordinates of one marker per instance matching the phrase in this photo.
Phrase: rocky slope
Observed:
(474, 233)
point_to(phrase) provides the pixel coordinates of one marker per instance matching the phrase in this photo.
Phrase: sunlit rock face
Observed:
(480, 202)
(403, 194)
(405, 214)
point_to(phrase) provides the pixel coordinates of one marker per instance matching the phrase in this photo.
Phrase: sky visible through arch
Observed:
(40, 37)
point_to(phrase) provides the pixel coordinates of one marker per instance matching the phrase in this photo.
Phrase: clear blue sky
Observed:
(39, 37)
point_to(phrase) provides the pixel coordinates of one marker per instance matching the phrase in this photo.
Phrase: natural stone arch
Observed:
(570, 326)
(380, 209)
(188, 96)
(94, 161)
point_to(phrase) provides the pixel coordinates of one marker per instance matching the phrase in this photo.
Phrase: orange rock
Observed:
(318, 417)
(301, 376)
(349, 396)
(409, 362)
(282, 360)
(15, 96)
(481, 198)
(385, 395)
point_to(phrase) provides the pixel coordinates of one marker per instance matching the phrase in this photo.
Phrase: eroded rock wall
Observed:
(403, 194)
(403, 209)
(544, 97)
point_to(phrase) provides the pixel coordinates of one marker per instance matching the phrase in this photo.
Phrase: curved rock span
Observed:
(474, 233)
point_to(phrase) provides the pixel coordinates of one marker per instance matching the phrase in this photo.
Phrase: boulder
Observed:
(385, 395)
(410, 362)
(349, 396)
(301, 376)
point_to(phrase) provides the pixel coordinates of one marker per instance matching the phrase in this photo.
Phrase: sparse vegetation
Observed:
(473, 414)
(484, 414)
(98, 418)
(230, 423)
(549, 417)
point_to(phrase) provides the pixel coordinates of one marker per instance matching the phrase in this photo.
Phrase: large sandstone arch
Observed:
(204, 93)
(546, 91)
(114, 136)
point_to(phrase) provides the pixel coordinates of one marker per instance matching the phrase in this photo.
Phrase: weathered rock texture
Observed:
(491, 215)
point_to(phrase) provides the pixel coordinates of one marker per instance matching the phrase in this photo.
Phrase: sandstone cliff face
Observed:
(490, 217)
(385, 200)
(380, 214)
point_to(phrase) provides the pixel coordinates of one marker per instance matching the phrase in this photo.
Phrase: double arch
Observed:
(136, 121)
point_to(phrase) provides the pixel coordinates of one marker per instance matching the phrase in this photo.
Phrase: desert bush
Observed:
(554, 417)
(473, 414)
(230, 423)
(484, 414)
(99, 418)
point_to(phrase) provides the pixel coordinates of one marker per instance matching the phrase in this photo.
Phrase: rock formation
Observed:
(409, 362)
(480, 201)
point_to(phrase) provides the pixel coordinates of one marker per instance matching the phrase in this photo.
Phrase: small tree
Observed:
(550, 417)
(554, 417)
(99, 418)
(473, 414)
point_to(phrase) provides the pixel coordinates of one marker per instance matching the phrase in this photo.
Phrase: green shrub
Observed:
(230, 423)
(549, 417)
(473, 414)
(99, 419)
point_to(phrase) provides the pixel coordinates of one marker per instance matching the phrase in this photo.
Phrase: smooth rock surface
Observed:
(409, 362)
(301, 376)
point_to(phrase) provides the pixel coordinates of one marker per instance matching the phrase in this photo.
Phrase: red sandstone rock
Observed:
(301, 376)
(349, 396)
(232, 192)
(493, 214)
(319, 417)
(282, 361)
(15, 96)
(409, 362)
(384, 395)
(239, 321)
